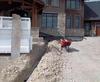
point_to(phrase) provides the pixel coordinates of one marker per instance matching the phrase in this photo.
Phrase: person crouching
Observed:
(65, 44)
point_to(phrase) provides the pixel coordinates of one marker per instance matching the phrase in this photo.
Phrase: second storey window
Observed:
(55, 3)
(49, 20)
(45, 1)
(72, 4)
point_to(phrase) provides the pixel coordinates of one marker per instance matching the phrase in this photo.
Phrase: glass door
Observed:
(87, 29)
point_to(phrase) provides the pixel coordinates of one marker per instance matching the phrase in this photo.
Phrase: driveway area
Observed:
(82, 63)
(4, 60)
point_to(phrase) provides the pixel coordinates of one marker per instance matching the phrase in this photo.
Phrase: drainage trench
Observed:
(20, 69)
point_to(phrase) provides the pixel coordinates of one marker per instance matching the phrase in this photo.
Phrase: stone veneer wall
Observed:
(60, 29)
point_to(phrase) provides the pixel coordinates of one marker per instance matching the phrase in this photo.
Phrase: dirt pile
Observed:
(50, 68)
(13, 69)
(19, 69)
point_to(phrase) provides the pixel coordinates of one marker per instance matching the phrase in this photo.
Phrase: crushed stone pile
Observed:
(50, 68)
(14, 68)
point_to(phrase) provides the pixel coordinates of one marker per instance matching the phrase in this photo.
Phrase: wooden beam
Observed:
(9, 1)
(34, 16)
(26, 7)
(25, 2)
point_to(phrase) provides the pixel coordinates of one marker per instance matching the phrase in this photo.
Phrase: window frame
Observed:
(49, 3)
(56, 5)
(46, 2)
(78, 23)
(53, 15)
(70, 4)
(73, 23)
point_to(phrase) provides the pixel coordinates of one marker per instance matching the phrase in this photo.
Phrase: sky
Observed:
(93, 0)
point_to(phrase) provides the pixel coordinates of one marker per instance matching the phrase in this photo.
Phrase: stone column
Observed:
(61, 24)
(62, 18)
(16, 36)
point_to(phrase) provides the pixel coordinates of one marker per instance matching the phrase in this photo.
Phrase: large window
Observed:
(55, 3)
(77, 21)
(77, 4)
(45, 1)
(73, 21)
(69, 21)
(49, 20)
(72, 4)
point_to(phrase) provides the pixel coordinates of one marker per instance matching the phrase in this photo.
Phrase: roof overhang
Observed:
(26, 4)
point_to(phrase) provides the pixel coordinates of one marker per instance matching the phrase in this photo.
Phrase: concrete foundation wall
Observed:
(35, 31)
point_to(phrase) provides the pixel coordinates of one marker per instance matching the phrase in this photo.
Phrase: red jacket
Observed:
(65, 43)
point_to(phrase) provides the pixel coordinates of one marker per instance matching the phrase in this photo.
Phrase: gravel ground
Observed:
(81, 64)
(4, 60)
(49, 69)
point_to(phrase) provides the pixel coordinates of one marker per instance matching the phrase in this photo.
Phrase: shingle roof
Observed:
(92, 10)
